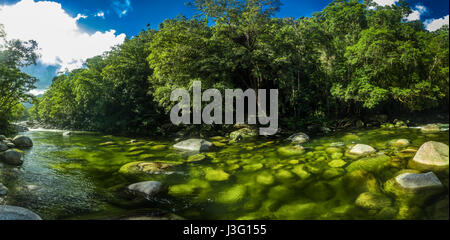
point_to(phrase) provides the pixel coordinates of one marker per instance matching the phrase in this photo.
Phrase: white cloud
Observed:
(37, 92)
(61, 41)
(435, 24)
(385, 2)
(100, 14)
(122, 7)
(417, 12)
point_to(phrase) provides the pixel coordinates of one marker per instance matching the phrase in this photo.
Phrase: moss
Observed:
(372, 164)
(196, 158)
(350, 137)
(337, 163)
(333, 173)
(301, 172)
(158, 147)
(253, 167)
(232, 195)
(373, 201)
(291, 151)
(284, 175)
(280, 192)
(181, 190)
(337, 155)
(298, 211)
(265, 178)
(360, 181)
(218, 144)
(216, 175)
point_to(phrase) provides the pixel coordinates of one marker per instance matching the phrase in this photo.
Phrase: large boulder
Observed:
(22, 141)
(17, 213)
(148, 189)
(12, 157)
(430, 128)
(373, 164)
(195, 145)
(298, 138)
(3, 147)
(362, 149)
(414, 188)
(431, 156)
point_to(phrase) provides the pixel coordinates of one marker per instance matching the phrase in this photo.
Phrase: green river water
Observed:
(78, 177)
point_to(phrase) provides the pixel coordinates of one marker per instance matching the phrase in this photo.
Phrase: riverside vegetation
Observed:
(339, 73)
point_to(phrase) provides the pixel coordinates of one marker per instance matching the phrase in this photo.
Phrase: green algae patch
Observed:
(216, 175)
(181, 190)
(371, 164)
(333, 173)
(265, 178)
(232, 195)
(158, 147)
(319, 191)
(301, 172)
(196, 158)
(337, 163)
(253, 167)
(143, 170)
(374, 201)
(291, 151)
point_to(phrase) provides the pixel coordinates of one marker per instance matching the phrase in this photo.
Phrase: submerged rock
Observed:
(145, 169)
(431, 156)
(373, 201)
(17, 213)
(337, 163)
(3, 147)
(370, 164)
(298, 138)
(414, 188)
(400, 143)
(22, 141)
(216, 175)
(12, 157)
(243, 133)
(319, 191)
(291, 150)
(430, 128)
(66, 134)
(196, 145)
(148, 188)
(3, 190)
(265, 178)
(362, 149)
(232, 195)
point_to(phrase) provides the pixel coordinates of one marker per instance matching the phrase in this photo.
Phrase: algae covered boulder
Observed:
(265, 178)
(374, 201)
(337, 163)
(195, 145)
(216, 175)
(360, 181)
(232, 195)
(431, 156)
(319, 191)
(243, 133)
(298, 138)
(430, 128)
(138, 170)
(414, 188)
(400, 143)
(291, 150)
(371, 164)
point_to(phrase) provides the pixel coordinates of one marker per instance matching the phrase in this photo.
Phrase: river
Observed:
(77, 177)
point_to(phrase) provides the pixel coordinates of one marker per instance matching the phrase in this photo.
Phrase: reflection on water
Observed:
(78, 177)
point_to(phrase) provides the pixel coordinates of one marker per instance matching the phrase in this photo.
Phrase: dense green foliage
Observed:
(14, 84)
(346, 60)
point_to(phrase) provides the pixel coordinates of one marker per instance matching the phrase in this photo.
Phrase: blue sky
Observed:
(91, 27)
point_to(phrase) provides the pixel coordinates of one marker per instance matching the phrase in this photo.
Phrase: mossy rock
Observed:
(332, 150)
(284, 175)
(400, 143)
(350, 137)
(319, 191)
(374, 201)
(253, 167)
(244, 133)
(301, 172)
(374, 164)
(280, 192)
(337, 163)
(216, 175)
(333, 173)
(140, 170)
(218, 144)
(360, 181)
(265, 178)
(298, 211)
(232, 195)
(182, 190)
(289, 151)
(158, 147)
(337, 155)
(196, 158)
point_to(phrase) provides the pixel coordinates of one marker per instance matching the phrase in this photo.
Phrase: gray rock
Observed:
(415, 182)
(10, 145)
(431, 156)
(197, 145)
(66, 134)
(17, 213)
(299, 138)
(11, 157)
(3, 147)
(22, 141)
(362, 149)
(148, 189)
(2, 137)
(3, 190)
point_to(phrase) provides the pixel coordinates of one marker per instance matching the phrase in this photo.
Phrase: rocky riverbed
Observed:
(392, 172)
